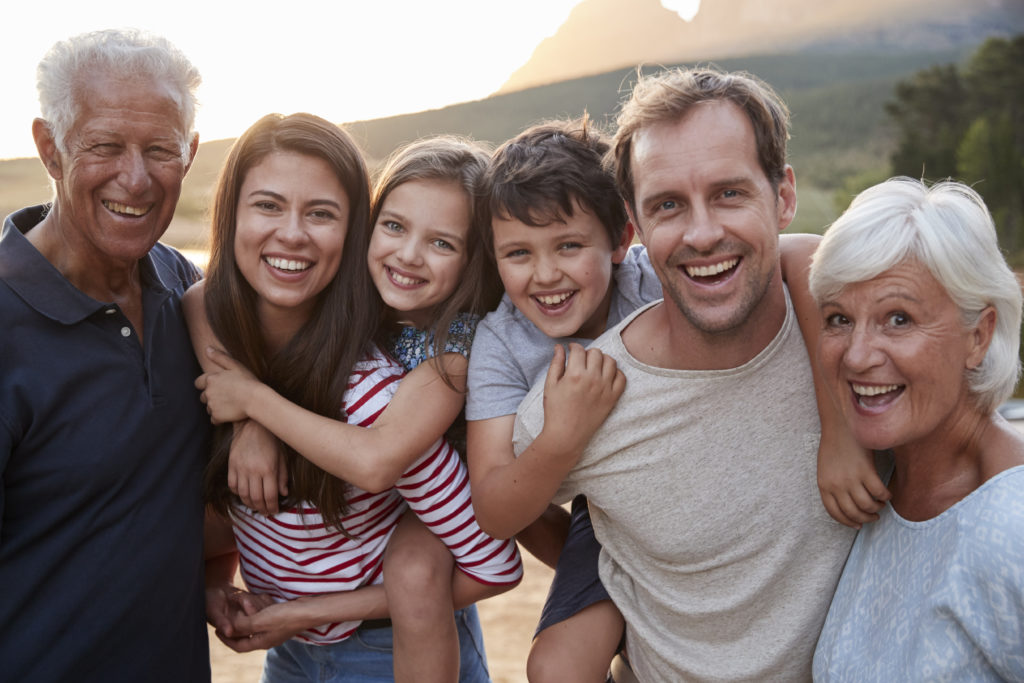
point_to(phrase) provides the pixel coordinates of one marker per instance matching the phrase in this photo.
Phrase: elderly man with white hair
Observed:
(920, 345)
(102, 436)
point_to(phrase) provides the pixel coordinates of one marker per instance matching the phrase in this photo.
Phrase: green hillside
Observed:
(839, 127)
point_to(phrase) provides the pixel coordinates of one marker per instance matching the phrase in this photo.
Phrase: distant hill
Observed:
(603, 35)
(837, 104)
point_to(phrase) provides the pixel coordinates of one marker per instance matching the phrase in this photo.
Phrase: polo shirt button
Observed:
(111, 311)
(126, 331)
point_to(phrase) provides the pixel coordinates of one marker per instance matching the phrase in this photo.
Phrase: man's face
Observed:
(118, 183)
(559, 275)
(708, 215)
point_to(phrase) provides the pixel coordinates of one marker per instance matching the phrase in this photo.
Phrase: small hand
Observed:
(257, 473)
(579, 392)
(226, 391)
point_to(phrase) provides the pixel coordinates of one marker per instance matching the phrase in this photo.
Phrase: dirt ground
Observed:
(508, 622)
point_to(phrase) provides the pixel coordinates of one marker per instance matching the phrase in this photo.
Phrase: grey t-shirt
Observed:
(510, 354)
(703, 494)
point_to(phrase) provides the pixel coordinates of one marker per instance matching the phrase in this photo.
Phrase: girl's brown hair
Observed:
(446, 158)
(313, 369)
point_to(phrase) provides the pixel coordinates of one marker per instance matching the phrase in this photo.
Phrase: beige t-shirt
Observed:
(703, 494)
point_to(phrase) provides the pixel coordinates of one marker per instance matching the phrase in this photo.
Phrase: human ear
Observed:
(786, 198)
(634, 223)
(627, 238)
(980, 337)
(193, 147)
(46, 146)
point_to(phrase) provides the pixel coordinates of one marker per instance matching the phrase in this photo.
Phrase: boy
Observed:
(557, 228)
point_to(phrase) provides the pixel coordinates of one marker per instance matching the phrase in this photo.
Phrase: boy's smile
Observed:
(559, 275)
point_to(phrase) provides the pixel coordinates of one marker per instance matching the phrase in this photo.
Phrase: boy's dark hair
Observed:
(534, 178)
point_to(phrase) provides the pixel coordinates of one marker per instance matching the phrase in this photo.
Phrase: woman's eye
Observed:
(442, 244)
(667, 205)
(516, 253)
(392, 226)
(265, 205)
(836, 320)
(899, 319)
(322, 214)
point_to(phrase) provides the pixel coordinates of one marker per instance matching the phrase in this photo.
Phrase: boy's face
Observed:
(559, 275)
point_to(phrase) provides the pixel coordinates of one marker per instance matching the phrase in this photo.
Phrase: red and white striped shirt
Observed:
(293, 553)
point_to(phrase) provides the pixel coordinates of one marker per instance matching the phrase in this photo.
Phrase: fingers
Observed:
(877, 489)
(220, 358)
(268, 499)
(836, 511)
(557, 366)
(282, 477)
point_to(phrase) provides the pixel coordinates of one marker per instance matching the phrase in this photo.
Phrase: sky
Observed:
(340, 59)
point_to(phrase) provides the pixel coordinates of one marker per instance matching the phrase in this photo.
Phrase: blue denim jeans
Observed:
(365, 657)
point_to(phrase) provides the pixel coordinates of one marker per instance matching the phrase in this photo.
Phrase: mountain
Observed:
(603, 35)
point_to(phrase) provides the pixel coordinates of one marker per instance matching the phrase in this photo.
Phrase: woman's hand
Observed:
(226, 392)
(257, 473)
(265, 624)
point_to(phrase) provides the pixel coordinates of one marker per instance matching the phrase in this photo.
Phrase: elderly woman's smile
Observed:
(895, 351)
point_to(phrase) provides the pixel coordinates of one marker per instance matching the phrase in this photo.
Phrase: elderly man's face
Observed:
(119, 180)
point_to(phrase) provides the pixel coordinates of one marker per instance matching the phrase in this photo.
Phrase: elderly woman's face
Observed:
(894, 354)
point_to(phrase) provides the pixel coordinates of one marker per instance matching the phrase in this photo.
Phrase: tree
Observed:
(931, 114)
(969, 125)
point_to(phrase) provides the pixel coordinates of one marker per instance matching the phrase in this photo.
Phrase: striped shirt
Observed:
(293, 554)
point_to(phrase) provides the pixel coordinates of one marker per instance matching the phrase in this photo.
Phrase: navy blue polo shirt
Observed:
(102, 447)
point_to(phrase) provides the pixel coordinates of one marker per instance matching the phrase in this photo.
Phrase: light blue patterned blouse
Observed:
(411, 346)
(939, 600)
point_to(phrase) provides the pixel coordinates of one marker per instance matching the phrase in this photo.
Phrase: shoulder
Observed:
(173, 270)
(461, 332)
(371, 384)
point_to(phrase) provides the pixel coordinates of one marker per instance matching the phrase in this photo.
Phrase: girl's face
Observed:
(418, 248)
(290, 231)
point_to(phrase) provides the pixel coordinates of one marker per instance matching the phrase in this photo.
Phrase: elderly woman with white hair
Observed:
(920, 345)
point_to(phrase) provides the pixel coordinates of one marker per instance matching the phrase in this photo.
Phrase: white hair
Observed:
(947, 229)
(120, 52)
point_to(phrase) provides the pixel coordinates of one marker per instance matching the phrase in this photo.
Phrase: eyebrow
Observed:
(284, 200)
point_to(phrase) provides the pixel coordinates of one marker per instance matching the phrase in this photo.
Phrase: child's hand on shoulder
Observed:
(581, 389)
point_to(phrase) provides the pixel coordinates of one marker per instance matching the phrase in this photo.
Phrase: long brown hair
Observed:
(446, 157)
(313, 368)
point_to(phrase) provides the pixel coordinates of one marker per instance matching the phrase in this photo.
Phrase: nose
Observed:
(545, 270)
(409, 251)
(862, 351)
(703, 231)
(134, 175)
(291, 230)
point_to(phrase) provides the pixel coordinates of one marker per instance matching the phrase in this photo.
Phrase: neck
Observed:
(279, 326)
(667, 339)
(102, 278)
(933, 473)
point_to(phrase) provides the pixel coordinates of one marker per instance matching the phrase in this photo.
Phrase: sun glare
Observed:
(687, 9)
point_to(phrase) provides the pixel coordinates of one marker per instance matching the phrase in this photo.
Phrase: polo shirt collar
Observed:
(42, 286)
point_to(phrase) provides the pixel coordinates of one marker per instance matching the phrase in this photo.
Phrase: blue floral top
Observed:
(411, 346)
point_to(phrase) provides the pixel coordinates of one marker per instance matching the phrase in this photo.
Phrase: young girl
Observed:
(289, 296)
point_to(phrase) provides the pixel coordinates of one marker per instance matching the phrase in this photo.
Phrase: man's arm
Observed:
(850, 487)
